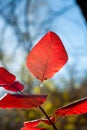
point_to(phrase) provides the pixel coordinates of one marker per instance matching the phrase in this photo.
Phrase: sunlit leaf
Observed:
(47, 57)
(6, 77)
(78, 107)
(35, 123)
(16, 86)
(21, 101)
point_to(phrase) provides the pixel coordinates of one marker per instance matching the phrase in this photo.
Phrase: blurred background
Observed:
(22, 24)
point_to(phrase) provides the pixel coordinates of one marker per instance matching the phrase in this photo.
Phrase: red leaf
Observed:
(16, 86)
(6, 77)
(31, 128)
(21, 101)
(78, 107)
(31, 125)
(35, 123)
(47, 57)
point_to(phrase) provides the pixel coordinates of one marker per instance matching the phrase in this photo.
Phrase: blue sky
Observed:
(69, 25)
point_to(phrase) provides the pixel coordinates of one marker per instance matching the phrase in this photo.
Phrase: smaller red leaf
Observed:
(22, 101)
(6, 77)
(35, 123)
(31, 128)
(16, 86)
(78, 107)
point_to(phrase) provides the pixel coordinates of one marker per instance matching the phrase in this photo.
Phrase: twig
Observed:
(48, 118)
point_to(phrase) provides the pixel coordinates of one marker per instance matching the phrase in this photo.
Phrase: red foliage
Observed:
(32, 128)
(44, 60)
(35, 123)
(16, 86)
(21, 101)
(47, 57)
(32, 125)
(6, 77)
(78, 107)
(7, 81)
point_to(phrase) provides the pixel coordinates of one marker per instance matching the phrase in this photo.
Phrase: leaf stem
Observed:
(41, 85)
(48, 117)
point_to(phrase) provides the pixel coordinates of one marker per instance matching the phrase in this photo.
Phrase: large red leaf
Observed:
(47, 57)
(16, 86)
(6, 77)
(78, 107)
(21, 101)
(35, 123)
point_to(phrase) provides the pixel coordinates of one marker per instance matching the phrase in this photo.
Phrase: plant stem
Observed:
(48, 118)
(43, 112)
(41, 85)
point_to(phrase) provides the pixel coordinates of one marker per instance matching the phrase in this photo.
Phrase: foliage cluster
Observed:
(13, 119)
